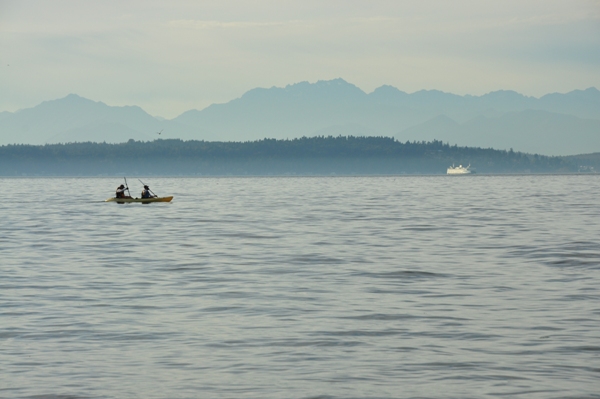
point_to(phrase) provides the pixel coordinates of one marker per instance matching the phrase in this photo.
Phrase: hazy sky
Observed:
(171, 56)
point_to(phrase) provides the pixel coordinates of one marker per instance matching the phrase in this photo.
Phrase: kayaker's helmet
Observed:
(121, 186)
(146, 187)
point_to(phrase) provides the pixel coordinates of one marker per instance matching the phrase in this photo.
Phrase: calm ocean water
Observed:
(332, 287)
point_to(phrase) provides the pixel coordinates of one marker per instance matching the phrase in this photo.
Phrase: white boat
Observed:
(459, 170)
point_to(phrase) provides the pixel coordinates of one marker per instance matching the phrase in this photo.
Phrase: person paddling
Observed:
(147, 193)
(121, 192)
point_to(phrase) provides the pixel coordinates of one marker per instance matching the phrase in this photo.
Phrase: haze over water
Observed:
(325, 287)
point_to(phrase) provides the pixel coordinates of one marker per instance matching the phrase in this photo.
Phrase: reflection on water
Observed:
(370, 287)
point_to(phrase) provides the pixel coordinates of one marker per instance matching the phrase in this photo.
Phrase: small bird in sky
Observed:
(160, 131)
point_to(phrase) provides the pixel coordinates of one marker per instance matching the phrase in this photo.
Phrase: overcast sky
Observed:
(171, 56)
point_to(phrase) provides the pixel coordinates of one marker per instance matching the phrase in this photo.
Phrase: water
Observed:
(334, 287)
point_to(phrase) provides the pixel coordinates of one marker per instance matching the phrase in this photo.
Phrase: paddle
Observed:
(144, 184)
(127, 187)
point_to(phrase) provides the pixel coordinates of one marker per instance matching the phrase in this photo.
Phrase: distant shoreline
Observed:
(316, 156)
(294, 176)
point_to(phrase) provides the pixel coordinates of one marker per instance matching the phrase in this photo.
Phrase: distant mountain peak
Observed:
(388, 94)
(433, 91)
(318, 90)
(70, 100)
(590, 93)
(503, 93)
(589, 90)
(506, 95)
(332, 82)
(322, 84)
(73, 96)
(385, 88)
(590, 96)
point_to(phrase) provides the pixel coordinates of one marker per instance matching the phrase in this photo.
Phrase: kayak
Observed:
(142, 200)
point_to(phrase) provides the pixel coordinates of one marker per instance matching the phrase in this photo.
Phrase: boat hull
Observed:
(140, 200)
(458, 172)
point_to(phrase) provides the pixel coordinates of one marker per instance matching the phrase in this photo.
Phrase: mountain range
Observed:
(555, 124)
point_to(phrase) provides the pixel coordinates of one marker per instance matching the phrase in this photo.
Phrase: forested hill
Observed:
(304, 156)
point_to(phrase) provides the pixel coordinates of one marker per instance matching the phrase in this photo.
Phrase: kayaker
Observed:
(146, 193)
(121, 192)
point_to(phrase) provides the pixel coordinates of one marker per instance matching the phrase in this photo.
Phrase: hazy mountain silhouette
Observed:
(531, 131)
(553, 124)
(77, 119)
(294, 111)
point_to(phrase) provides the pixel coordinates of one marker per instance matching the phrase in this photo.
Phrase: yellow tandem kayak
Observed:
(142, 200)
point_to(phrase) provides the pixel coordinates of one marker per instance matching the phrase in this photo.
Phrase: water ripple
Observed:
(365, 287)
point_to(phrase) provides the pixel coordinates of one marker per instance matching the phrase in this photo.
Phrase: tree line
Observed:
(340, 149)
